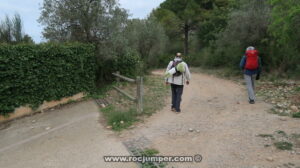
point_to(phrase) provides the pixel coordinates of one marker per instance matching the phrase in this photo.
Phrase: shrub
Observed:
(31, 74)
(283, 145)
(296, 115)
(126, 63)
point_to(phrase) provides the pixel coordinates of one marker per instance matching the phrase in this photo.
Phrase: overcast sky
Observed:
(30, 12)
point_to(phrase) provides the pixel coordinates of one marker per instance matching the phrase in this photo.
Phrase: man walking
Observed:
(251, 66)
(178, 74)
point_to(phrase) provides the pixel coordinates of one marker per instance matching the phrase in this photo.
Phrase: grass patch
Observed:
(119, 120)
(297, 89)
(295, 136)
(273, 111)
(155, 93)
(99, 93)
(282, 133)
(282, 141)
(121, 113)
(265, 135)
(283, 145)
(296, 115)
(150, 153)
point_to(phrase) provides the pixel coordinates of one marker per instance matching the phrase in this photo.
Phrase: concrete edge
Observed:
(26, 110)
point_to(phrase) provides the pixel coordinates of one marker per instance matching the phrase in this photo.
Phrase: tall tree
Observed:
(17, 28)
(11, 31)
(101, 22)
(189, 12)
(81, 20)
(247, 25)
(148, 38)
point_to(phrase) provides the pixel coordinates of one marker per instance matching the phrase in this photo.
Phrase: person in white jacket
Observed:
(177, 81)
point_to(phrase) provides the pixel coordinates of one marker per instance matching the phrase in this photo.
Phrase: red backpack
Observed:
(251, 60)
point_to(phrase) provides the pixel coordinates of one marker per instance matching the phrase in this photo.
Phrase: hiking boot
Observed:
(173, 109)
(251, 101)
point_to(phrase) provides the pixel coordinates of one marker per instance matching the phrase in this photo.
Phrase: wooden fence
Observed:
(138, 99)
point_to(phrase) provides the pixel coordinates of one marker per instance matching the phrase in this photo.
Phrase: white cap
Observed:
(250, 48)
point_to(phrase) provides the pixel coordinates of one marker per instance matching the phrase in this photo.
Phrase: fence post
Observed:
(118, 79)
(139, 94)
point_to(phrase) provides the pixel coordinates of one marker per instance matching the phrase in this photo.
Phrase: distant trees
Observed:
(148, 38)
(247, 25)
(106, 25)
(216, 32)
(181, 17)
(285, 33)
(11, 31)
(95, 21)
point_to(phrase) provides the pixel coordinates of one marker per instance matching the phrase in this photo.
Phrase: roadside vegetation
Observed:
(282, 141)
(121, 113)
(149, 153)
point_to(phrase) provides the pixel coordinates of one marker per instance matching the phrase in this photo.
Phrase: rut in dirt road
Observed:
(225, 127)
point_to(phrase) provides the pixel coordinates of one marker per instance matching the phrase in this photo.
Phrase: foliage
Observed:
(31, 74)
(118, 119)
(11, 31)
(124, 110)
(286, 17)
(285, 20)
(215, 23)
(100, 22)
(283, 145)
(184, 17)
(246, 26)
(80, 20)
(148, 38)
(126, 63)
(120, 43)
(296, 115)
(150, 153)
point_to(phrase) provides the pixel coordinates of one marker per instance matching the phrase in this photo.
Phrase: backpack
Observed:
(251, 60)
(175, 63)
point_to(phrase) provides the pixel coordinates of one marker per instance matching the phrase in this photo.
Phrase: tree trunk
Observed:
(186, 39)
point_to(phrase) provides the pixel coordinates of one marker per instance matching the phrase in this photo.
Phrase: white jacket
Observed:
(179, 80)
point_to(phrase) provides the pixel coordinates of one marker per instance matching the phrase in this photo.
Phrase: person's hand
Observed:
(167, 83)
(187, 82)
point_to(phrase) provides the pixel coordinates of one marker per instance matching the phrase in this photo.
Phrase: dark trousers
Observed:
(176, 96)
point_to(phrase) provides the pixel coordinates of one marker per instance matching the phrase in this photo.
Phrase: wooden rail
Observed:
(125, 94)
(139, 90)
(123, 77)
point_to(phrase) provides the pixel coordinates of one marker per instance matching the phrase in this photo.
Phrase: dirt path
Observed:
(226, 128)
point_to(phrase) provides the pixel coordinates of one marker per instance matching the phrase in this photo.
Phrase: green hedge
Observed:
(30, 74)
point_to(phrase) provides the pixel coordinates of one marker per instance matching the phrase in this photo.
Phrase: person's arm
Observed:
(187, 74)
(259, 69)
(168, 68)
(243, 62)
(259, 65)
